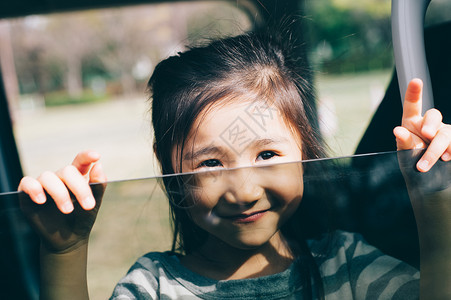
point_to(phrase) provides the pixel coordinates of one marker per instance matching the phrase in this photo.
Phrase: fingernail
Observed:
(67, 207)
(40, 199)
(423, 165)
(446, 156)
(89, 202)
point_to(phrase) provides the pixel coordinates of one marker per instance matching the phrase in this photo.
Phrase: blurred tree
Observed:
(131, 36)
(7, 66)
(49, 51)
(30, 54)
(215, 20)
(73, 37)
(350, 35)
(116, 46)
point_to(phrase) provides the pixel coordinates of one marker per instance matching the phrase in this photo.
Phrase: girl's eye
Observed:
(265, 155)
(210, 163)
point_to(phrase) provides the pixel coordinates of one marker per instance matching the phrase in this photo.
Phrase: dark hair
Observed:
(254, 65)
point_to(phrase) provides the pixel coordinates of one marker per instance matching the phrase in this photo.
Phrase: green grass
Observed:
(354, 99)
(62, 98)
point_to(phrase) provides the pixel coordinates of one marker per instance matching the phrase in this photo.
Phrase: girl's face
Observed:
(243, 207)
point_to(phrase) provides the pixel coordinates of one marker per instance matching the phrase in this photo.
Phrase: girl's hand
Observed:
(428, 131)
(62, 224)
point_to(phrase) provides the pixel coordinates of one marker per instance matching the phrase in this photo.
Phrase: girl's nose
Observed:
(244, 187)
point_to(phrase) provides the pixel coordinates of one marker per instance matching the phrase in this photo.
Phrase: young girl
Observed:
(238, 102)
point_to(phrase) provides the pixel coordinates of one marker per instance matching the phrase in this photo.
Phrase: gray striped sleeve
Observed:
(140, 282)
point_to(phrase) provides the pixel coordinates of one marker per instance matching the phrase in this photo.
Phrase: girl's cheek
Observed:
(205, 199)
(284, 180)
(291, 208)
(290, 198)
(205, 218)
(203, 213)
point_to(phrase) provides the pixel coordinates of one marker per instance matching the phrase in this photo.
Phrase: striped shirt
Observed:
(350, 269)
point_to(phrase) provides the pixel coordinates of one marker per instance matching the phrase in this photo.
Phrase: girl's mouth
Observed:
(248, 217)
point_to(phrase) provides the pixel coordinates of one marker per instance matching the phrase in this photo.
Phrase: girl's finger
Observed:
(406, 140)
(77, 184)
(97, 175)
(413, 99)
(432, 122)
(33, 188)
(447, 155)
(84, 160)
(57, 190)
(436, 149)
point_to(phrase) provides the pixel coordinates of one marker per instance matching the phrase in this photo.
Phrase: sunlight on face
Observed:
(243, 207)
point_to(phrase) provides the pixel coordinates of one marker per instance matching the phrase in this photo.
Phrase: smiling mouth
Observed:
(247, 218)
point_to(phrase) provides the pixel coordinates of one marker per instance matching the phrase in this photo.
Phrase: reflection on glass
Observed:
(315, 204)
